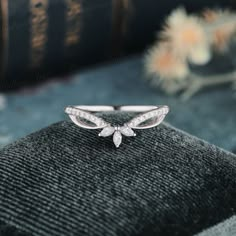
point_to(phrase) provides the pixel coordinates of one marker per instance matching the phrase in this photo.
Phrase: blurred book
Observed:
(43, 38)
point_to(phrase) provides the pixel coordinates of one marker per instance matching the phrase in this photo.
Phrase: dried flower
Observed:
(190, 39)
(210, 15)
(186, 35)
(162, 62)
(222, 34)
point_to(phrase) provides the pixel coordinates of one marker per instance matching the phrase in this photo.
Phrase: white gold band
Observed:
(150, 116)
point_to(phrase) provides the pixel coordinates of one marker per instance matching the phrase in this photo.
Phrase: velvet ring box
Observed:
(64, 180)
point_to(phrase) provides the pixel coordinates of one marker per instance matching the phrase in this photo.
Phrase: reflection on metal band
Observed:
(39, 26)
(73, 23)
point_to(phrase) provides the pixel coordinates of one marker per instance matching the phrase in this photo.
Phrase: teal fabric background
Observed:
(209, 115)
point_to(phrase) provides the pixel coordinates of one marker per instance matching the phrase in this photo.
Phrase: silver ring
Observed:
(148, 117)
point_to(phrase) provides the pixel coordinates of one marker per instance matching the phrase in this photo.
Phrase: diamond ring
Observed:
(147, 117)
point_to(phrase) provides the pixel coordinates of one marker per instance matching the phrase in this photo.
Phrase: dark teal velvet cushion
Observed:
(64, 180)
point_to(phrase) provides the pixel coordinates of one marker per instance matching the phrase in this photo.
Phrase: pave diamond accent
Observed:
(155, 116)
(76, 115)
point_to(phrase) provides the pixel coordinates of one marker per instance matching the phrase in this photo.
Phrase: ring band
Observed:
(148, 117)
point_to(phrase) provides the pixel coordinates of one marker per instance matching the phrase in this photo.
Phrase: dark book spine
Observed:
(47, 37)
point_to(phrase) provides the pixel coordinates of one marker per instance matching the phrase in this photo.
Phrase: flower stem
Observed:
(197, 82)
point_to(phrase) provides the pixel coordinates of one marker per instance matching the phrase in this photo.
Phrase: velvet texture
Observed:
(64, 180)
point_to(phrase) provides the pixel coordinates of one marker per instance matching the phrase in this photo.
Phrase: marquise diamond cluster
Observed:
(117, 132)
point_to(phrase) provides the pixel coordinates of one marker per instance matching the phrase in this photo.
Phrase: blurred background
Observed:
(56, 53)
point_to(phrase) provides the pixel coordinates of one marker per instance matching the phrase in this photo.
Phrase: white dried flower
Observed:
(190, 39)
(221, 35)
(200, 55)
(162, 62)
(186, 35)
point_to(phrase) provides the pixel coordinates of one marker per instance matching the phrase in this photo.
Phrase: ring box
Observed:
(63, 180)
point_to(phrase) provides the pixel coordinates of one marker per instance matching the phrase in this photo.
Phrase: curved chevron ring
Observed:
(147, 117)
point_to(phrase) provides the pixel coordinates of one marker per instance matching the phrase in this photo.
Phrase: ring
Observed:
(148, 117)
